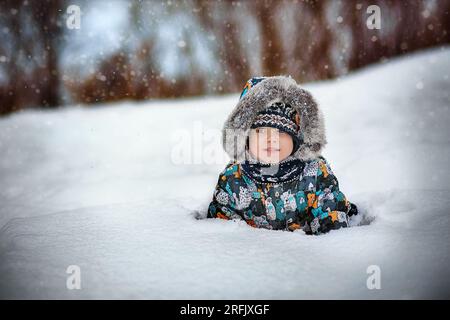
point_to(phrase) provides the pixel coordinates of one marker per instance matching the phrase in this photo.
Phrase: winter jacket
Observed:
(312, 201)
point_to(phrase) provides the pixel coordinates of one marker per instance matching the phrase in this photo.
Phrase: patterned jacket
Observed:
(312, 201)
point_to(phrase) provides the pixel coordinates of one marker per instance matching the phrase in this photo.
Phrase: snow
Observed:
(98, 187)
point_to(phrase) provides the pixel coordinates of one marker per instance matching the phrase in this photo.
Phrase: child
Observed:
(277, 178)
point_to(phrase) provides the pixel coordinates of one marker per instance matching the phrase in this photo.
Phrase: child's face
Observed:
(270, 145)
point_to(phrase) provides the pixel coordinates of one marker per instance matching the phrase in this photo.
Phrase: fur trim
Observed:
(265, 93)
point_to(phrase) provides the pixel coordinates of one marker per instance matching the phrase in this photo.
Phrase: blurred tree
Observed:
(31, 42)
(47, 17)
(214, 46)
(110, 83)
(315, 48)
(273, 61)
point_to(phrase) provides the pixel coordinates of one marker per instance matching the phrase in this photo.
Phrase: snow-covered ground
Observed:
(103, 188)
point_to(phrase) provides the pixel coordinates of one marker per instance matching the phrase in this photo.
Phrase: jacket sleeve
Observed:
(329, 206)
(223, 204)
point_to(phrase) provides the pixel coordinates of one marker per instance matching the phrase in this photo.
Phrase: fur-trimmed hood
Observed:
(263, 94)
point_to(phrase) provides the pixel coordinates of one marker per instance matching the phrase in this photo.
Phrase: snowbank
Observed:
(99, 188)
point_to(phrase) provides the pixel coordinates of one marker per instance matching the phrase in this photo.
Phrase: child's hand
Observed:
(353, 210)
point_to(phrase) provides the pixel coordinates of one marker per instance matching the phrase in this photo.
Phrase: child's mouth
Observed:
(269, 150)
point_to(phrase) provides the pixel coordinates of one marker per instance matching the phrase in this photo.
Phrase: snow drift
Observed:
(99, 188)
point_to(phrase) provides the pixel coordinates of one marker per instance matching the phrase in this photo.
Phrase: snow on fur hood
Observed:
(263, 94)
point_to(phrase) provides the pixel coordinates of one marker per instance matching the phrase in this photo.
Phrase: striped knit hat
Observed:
(278, 115)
